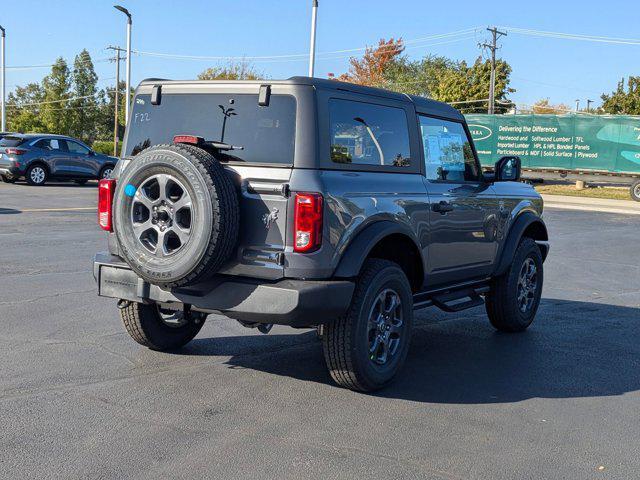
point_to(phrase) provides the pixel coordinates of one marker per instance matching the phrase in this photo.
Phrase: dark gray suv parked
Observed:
(310, 202)
(39, 157)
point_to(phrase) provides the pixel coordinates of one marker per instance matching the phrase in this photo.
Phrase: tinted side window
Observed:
(447, 151)
(44, 144)
(74, 147)
(368, 134)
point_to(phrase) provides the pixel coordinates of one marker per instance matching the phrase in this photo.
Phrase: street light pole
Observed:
(2, 92)
(312, 49)
(589, 102)
(128, 74)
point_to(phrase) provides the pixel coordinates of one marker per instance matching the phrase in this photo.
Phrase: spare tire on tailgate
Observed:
(176, 215)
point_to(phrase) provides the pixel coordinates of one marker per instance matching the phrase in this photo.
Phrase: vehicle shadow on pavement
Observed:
(574, 349)
(9, 211)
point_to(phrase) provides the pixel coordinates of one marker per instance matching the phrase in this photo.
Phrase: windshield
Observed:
(265, 133)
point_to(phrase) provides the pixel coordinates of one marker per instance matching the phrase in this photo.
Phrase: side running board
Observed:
(452, 299)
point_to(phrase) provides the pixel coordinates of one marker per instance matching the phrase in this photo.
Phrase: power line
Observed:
(412, 43)
(573, 36)
(21, 105)
(48, 65)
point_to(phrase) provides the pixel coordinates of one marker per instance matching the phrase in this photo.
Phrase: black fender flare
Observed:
(357, 251)
(524, 221)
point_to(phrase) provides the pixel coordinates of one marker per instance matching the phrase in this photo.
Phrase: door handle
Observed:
(442, 207)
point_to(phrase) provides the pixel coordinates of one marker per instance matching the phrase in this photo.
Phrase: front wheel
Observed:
(635, 191)
(105, 172)
(514, 297)
(158, 328)
(366, 347)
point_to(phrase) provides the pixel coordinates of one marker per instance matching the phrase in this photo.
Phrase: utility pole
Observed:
(577, 105)
(493, 46)
(117, 99)
(312, 47)
(3, 77)
(589, 102)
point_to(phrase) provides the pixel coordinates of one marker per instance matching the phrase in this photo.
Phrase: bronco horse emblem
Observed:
(269, 218)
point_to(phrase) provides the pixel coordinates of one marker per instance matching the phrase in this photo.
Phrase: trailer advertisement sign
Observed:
(560, 142)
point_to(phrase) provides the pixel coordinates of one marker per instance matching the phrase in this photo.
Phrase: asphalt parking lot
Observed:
(79, 399)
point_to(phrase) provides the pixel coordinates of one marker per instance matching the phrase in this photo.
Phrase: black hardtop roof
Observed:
(422, 104)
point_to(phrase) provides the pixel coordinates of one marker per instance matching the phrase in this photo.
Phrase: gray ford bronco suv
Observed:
(312, 203)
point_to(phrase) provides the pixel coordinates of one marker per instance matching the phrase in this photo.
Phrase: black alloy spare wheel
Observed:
(176, 215)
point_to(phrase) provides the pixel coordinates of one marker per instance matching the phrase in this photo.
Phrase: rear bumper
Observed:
(10, 171)
(297, 303)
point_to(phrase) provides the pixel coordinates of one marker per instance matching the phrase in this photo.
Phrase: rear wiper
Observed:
(224, 146)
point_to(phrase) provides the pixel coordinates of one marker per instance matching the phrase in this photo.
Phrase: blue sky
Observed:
(563, 70)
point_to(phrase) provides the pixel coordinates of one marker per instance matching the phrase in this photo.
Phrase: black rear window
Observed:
(266, 133)
(10, 141)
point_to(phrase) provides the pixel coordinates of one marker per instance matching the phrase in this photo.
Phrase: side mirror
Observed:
(91, 153)
(508, 169)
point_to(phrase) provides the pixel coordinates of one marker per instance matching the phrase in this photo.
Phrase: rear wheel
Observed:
(514, 297)
(635, 191)
(6, 179)
(37, 175)
(365, 348)
(160, 329)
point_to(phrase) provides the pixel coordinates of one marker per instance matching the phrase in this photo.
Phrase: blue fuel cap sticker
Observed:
(129, 190)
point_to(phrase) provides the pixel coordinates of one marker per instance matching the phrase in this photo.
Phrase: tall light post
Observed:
(128, 74)
(2, 76)
(312, 48)
(589, 102)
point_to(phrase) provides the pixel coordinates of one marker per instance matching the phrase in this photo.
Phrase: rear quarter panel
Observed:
(353, 201)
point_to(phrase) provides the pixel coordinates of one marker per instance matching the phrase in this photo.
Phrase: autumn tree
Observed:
(623, 102)
(370, 69)
(232, 71)
(543, 106)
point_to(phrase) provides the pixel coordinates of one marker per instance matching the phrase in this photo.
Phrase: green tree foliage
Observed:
(232, 71)
(105, 116)
(22, 114)
(623, 102)
(436, 77)
(55, 112)
(83, 109)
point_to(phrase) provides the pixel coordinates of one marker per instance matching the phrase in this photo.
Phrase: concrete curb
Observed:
(623, 207)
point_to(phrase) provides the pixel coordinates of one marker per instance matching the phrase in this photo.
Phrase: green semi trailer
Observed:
(589, 147)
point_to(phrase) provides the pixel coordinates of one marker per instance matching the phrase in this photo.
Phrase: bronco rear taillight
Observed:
(190, 139)
(15, 151)
(307, 235)
(106, 189)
